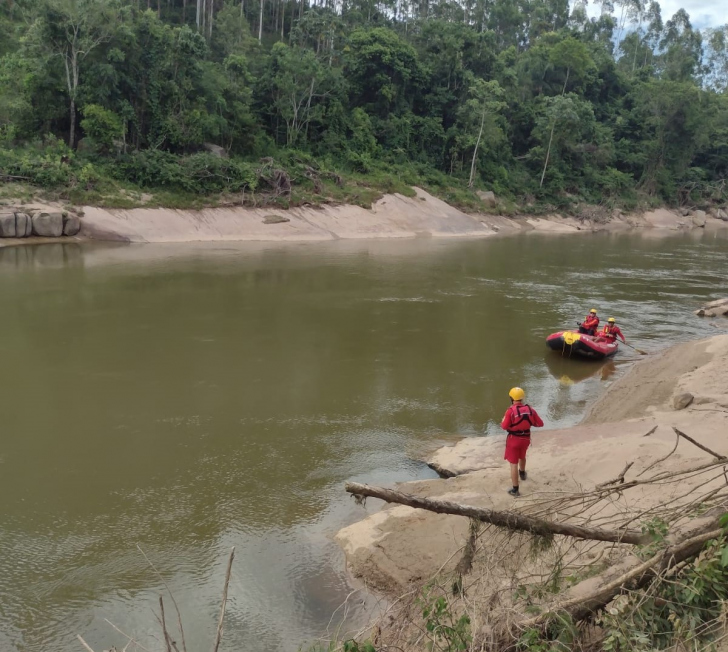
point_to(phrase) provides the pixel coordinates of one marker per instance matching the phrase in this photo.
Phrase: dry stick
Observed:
(86, 645)
(510, 520)
(619, 479)
(131, 640)
(218, 636)
(583, 605)
(164, 625)
(662, 459)
(171, 595)
(680, 433)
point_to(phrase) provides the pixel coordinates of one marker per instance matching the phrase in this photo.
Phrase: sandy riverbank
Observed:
(392, 216)
(399, 546)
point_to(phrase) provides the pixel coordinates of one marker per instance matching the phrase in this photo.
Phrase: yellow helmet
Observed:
(593, 310)
(611, 320)
(517, 394)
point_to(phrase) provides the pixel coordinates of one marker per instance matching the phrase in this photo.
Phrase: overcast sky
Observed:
(703, 13)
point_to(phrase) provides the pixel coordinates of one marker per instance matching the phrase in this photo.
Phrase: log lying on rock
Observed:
(511, 520)
(585, 598)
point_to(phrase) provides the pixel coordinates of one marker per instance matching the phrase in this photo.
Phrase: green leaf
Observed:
(724, 557)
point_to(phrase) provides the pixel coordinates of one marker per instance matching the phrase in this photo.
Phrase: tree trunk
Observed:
(585, 598)
(548, 153)
(475, 151)
(260, 26)
(72, 131)
(551, 137)
(510, 520)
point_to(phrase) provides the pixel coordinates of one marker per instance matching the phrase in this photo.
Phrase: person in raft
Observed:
(590, 324)
(611, 332)
(518, 421)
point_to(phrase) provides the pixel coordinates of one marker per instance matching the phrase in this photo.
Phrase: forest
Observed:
(546, 103)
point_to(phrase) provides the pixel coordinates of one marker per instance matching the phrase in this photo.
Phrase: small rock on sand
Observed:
(275, 219)
(682, 400)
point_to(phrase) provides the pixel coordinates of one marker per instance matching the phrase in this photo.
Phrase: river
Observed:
(190, 398)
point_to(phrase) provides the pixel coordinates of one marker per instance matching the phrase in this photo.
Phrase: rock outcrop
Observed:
(716, 308)
(48, 225)
(71, 224)
(7, 225)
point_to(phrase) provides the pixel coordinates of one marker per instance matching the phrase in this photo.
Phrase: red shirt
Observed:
(591, 322)
(611, 332)
(520, 418)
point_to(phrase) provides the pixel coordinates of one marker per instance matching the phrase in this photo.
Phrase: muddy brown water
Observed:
(190, 398)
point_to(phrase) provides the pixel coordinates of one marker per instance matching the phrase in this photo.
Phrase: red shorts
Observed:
(516, 448)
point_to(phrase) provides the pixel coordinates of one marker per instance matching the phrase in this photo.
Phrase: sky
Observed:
(703, 13)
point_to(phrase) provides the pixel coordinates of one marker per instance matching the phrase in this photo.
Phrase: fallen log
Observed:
(584, 599)
(511, 520)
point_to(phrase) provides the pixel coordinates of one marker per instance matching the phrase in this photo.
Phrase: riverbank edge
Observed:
(392, 216)
(682, 386)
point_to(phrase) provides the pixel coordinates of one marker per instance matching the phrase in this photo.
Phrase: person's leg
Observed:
(514, 476)
(522, 468)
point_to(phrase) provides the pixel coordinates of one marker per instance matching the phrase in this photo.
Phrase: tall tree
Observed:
(71, 30)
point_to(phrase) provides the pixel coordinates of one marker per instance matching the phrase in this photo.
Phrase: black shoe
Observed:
(514, 492)
(522, 474)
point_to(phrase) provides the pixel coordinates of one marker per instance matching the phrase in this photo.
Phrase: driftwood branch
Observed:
(218, 635)
(86, 645)
(167, 639)
(619, 479)
(510, 520)
(680, 433)
(171, 595)
(594, 593)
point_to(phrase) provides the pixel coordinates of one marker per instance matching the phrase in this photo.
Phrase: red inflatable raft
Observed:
(572, 344)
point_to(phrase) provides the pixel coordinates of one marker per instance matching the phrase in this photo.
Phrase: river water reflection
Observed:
(190, 398)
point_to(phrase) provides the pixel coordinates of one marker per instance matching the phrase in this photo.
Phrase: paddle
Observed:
(640, 351)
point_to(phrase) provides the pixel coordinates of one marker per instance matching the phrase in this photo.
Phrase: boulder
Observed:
(275, 219)
(487, 197)
(684, 212)
(699, 218)
(215, 149)
(721, 215)
(48, 225)
(716, 308)
(23, 225)
(7, 225)
(681, 401)
(71, 224)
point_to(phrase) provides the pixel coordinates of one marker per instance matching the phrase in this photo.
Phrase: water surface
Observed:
(190, 398)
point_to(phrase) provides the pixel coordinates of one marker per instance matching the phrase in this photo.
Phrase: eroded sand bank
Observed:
(398, 545)
(393, 216)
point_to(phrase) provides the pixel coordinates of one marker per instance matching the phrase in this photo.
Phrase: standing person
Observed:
(590, 324)
(611, 331)
(518, 420)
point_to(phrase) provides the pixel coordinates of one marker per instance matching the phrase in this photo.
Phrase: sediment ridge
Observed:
(685, 387)
(392, 216)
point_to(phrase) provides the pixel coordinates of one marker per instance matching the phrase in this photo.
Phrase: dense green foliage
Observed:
(534, 100)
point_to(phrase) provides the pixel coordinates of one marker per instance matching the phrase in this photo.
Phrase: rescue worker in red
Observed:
(611, 332)
(518, 421)
(590, 324)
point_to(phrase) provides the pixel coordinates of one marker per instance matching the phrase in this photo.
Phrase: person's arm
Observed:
(621, 335)
(507, 420)
(537, 421)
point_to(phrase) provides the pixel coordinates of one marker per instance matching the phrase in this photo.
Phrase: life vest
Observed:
(523, 415)
(608, 330)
